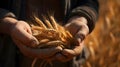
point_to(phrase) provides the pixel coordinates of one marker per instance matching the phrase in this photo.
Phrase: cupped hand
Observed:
(68, 54)
(22, 32)
(79, 29)
(22, 37)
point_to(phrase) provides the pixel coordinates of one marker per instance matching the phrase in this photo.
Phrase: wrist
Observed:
(6, 24)
(78, 19)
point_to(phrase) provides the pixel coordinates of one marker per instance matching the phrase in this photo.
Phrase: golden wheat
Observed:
(49, 33)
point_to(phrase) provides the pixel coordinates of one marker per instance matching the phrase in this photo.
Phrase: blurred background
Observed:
(104, 42)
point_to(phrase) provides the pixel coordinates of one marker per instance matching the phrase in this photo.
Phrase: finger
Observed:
(28, 29)
(60, 57)
(42, 53)
(82, 32)
(48, 52)
(39, 53)
(79, 38)
(68, 52)
(73, 52)
(22, 48)
(78, 49)
(72, 27)
(28, 39)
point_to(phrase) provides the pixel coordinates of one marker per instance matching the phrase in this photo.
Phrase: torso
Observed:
(45, 6)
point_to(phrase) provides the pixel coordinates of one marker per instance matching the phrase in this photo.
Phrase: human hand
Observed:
(79, 29)
(77, 26)
(21, 31)
(21, 34)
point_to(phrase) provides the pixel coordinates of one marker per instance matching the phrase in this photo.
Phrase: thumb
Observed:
(79, 37)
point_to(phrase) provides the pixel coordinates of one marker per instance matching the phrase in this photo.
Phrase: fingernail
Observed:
(34, 43)
(79, 40)
(81, 36)
(59, 48)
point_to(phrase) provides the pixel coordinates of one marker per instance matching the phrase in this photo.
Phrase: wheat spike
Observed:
(47, 22)
(40, 22)
(53, 22)
(50, 34)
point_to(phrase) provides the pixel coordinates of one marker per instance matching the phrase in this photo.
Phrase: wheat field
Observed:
(104, 42)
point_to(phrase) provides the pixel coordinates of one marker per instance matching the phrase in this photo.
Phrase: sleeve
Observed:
(6, 13)
(5, 6)
(87, 9)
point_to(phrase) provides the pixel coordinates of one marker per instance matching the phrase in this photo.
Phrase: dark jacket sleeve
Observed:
(87, 9)
(6, 13)
(5, 8)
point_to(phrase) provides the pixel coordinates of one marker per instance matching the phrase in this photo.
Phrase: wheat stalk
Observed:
(49, 33)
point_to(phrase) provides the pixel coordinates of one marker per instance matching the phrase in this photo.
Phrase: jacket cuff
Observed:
(87, 12)
(6, 13)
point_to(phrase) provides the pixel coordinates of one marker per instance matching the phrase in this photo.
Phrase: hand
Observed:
(77, 26)
(21, 34)
(79, 29)
(21, 31)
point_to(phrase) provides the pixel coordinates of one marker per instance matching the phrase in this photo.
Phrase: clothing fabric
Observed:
(9, 53)
(86, 8)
